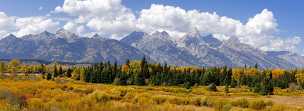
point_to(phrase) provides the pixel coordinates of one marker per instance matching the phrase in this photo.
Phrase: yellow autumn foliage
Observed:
(237, 73)
(277, 73)
(42, 95)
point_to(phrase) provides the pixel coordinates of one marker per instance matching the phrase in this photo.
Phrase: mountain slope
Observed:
(243, 54)
(160, 48)
(191, 49)
(53, 47)
(204, 49)
(195, 49)
(293, 58)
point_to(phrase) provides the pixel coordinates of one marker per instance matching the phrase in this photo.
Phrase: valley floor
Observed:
(35, 94)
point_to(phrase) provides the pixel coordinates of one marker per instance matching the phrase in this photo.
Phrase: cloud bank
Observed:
(26, 25)
(105, 17)
(110, 18)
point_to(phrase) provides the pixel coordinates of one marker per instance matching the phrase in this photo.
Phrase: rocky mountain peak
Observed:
(46, 34)
(164, 33)
(161, 34)
(132, 37)
(164, 36)
(211, 41)
(232, 41)
(96, 36)
(10, 37)
(196, 39)
(193, 49)
(65, 34)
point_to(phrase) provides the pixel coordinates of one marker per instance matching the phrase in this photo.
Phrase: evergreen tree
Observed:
(56, 73)
(144, 69)
(48, 76)
(139, 78)
(227, 76)
(2, 68)
(115, 68)
(266, 87)
(120, 79)
(156, 79)
(60, 71)
(138, 72)
(256, 66)
(68, 73)
(208, 78)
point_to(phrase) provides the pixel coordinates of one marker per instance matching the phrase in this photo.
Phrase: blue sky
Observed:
(278, 22)
(288, 13)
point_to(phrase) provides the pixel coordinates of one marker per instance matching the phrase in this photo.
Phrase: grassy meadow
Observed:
(32, 93)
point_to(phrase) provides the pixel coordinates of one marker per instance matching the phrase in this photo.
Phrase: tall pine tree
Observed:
(140, 76)
(56, 73)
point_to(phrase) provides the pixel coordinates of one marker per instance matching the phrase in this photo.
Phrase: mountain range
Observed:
(191, 49)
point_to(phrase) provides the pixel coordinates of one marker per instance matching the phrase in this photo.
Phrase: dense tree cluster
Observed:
(143, 73)
(15, 66)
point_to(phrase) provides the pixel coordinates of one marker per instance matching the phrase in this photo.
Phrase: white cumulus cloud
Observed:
(259, 31)
(21, 26)
(107, 17)
(7, 24)
(179, 21)
(262, 23)
(110, 18)
(75, 27)
(34, 25)
(159, 18)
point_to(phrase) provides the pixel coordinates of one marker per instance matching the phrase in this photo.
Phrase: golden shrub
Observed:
(277, 73)
(300, 78)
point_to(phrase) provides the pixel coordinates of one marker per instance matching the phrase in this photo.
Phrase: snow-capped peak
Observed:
(65, 34)
(233, 40)
(9, 36)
